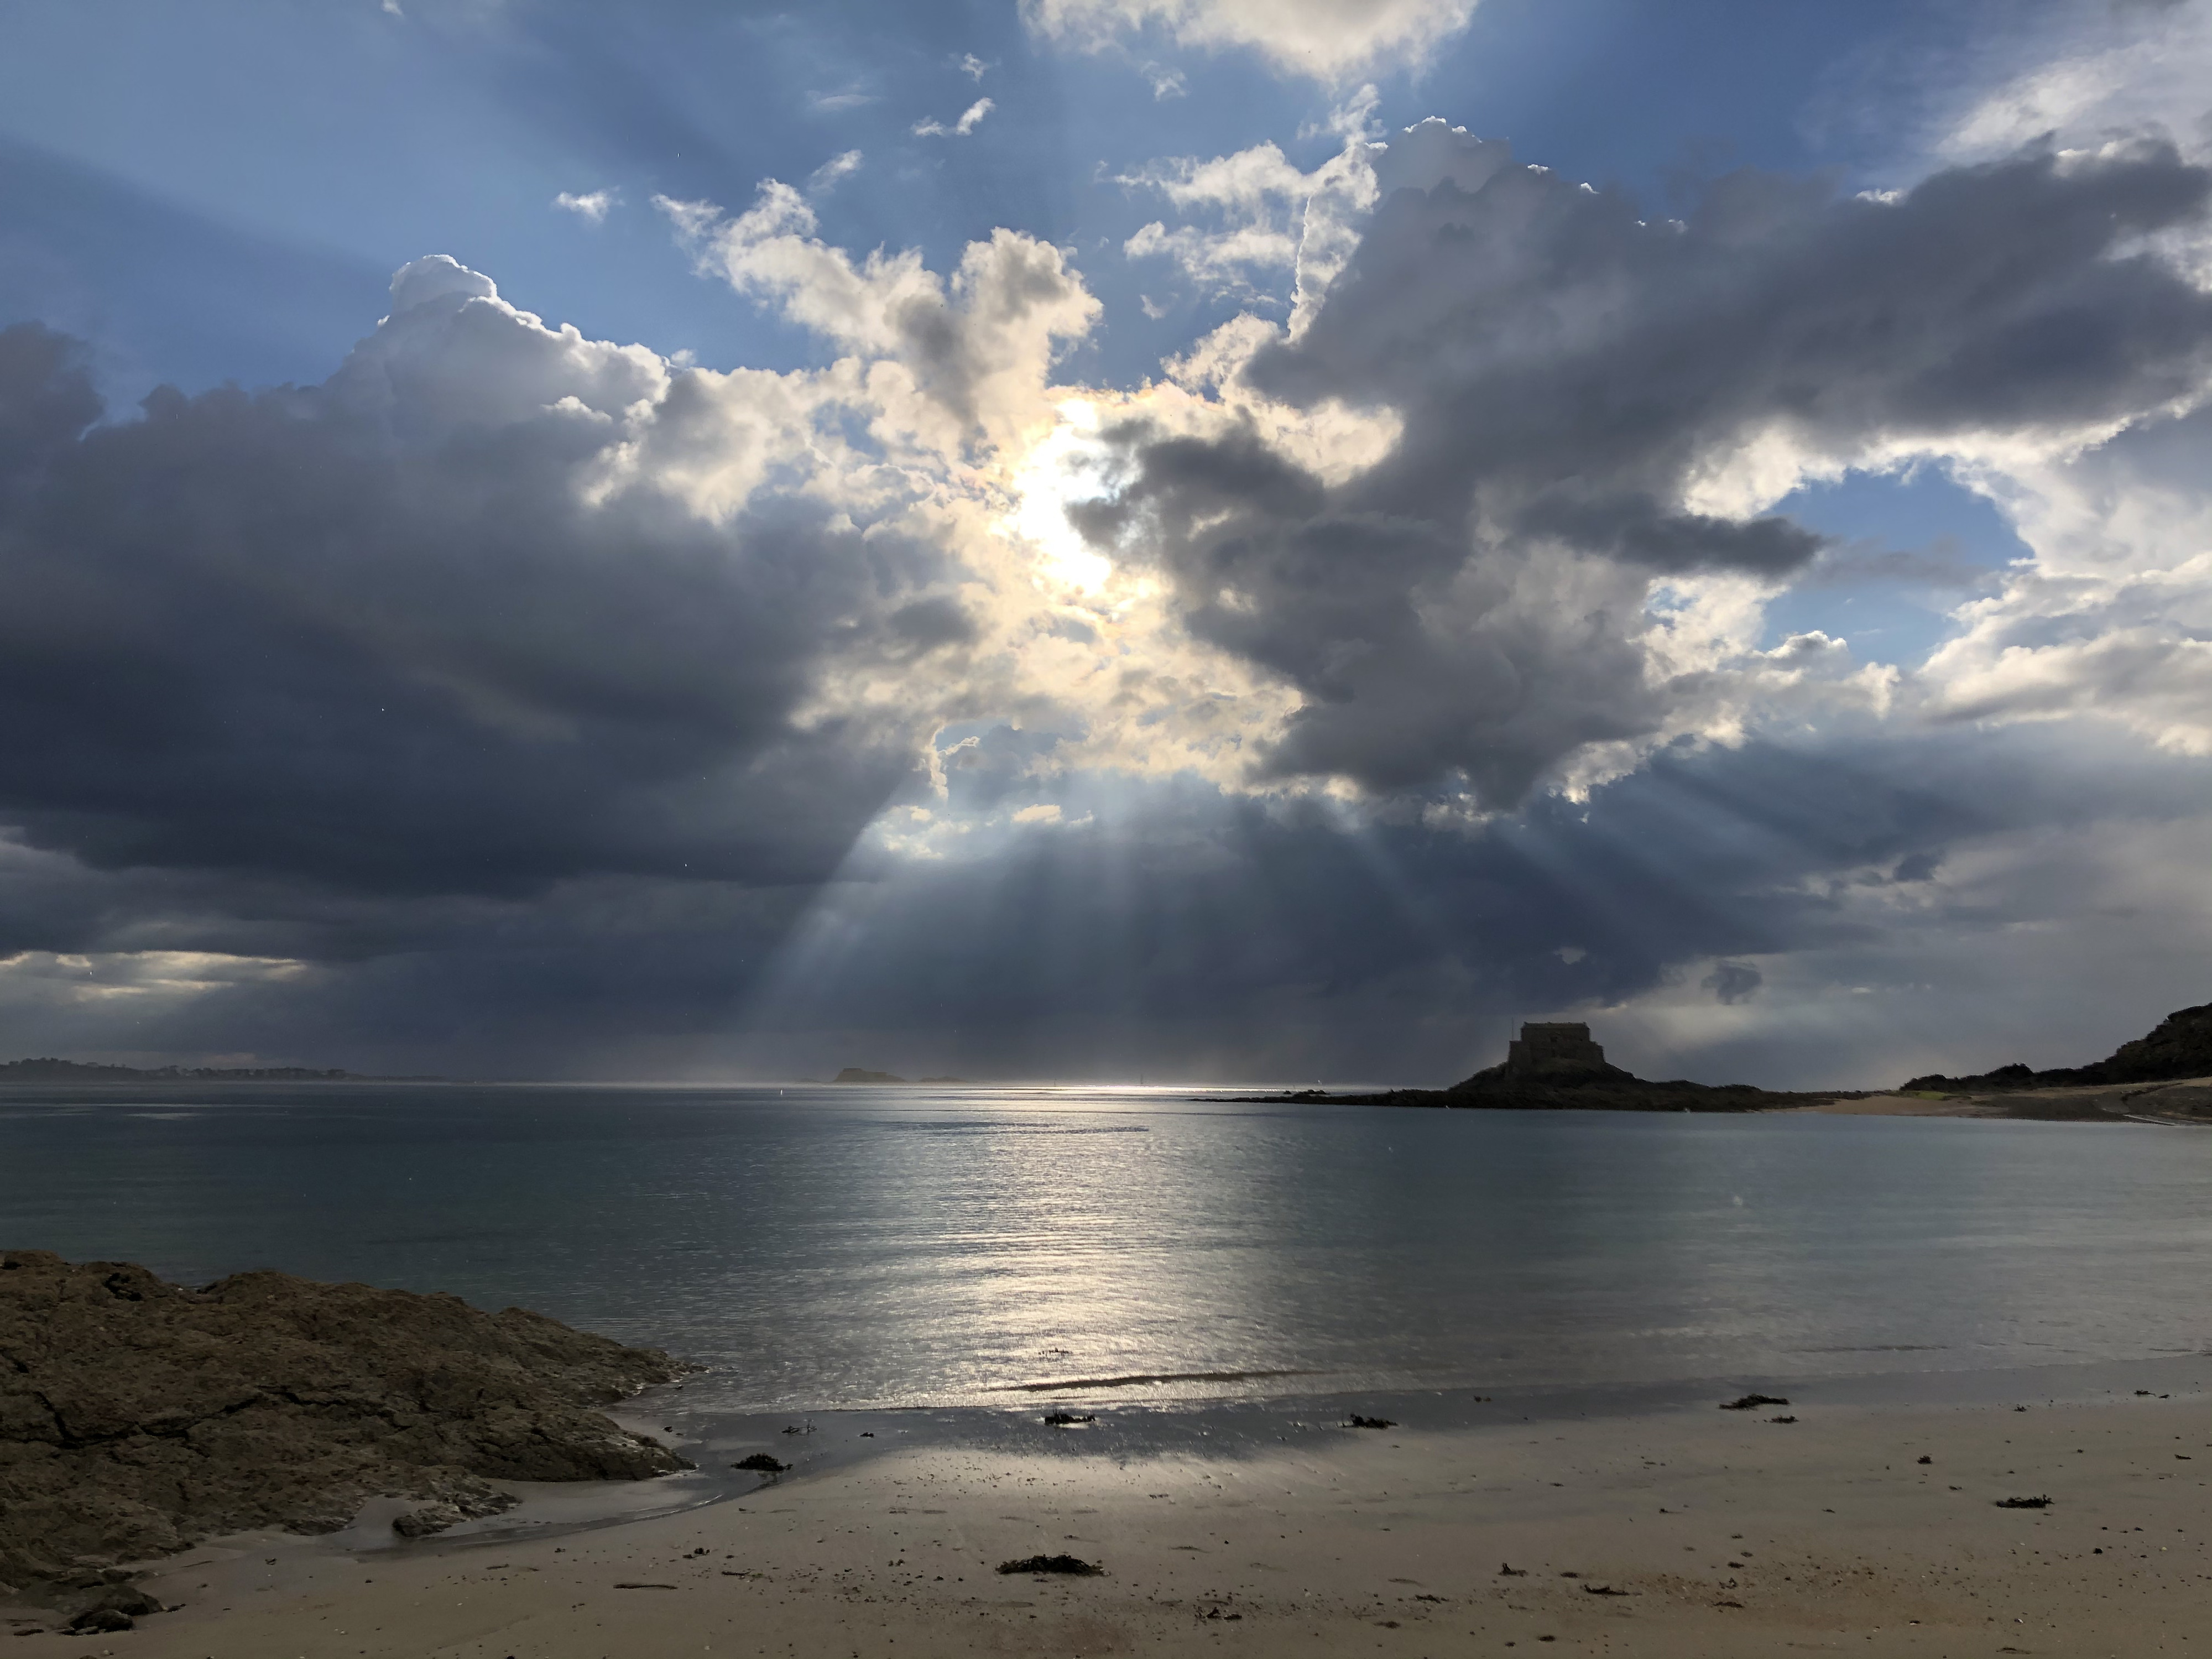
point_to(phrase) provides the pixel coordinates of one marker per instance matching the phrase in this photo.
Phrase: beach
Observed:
(1689, 1531)
(2183, 1103)
(1550, 1308)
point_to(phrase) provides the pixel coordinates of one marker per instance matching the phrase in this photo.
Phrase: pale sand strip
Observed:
(1902, 1106)
(2179, 1101)
(1827, 1532)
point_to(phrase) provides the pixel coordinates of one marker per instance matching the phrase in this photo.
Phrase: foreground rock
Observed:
(137, 1418)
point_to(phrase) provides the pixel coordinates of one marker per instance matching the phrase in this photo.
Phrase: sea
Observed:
(854, 1249)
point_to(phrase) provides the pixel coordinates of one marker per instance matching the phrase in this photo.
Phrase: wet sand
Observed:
(1681, 1531)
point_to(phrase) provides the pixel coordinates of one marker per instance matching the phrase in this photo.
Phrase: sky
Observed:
(1209, 540)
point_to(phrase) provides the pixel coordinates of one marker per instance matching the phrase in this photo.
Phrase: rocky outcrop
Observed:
(138, 1417)
(2181, 1047)
(1556, 1067)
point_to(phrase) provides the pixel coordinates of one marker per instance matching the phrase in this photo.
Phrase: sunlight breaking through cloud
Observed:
(1341, 513)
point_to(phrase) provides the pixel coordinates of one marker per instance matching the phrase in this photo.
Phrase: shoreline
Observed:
(1682, 1530)
(2181, 1103)
(1320, 1539)
(834, 1441)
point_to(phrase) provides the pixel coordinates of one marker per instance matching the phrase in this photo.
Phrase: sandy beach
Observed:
(1693, 1532)
(2184, 1102)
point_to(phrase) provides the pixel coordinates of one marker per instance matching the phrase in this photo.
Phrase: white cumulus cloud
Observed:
(1326, 39)
(1253, 216)
(970, 118)
(841, 165)
(593, 206)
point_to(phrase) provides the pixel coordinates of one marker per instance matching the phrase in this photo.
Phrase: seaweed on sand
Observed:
(1752, 1402)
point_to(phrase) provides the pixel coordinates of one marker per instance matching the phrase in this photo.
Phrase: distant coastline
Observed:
(49, 1070)
(862, 1074)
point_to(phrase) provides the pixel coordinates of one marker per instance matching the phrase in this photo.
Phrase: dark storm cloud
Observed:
(48, 400)
(1242, 939)
(1568, 375)
(374, 635)
(1732, 982)
(1176, 930)
(1231, 937)
(462, 984)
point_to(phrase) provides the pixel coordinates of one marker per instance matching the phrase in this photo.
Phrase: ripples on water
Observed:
(834, 1246)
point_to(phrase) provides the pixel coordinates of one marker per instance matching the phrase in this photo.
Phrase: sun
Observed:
(1069, 465)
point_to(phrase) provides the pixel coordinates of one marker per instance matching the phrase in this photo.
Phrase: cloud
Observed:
(2102, 69)
(1165, 83)
(1557, 566)
(467, 617)
(2111, 623)
(1941, 564)
(1732, 982)
(972, 66)
(1257, 201)
(592, 208)
(512, 699)
(1259, 215)
(1325, 40)
(964, 360)
(1239, 939)
(1978, 83)
(841, 165)
(970, 118)
(1201, 935)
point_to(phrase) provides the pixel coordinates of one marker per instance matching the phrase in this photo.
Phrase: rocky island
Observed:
(138, 1417)
(1555, 1066)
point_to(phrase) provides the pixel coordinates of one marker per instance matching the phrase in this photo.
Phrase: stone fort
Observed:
(1562, 1046)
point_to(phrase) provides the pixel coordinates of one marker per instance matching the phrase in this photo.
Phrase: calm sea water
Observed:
(824, 1248)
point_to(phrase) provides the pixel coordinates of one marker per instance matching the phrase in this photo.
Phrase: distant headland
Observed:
(78, 1070)
(2180, 1047)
